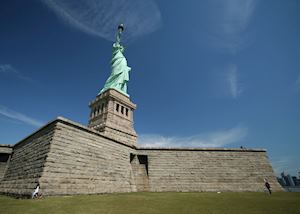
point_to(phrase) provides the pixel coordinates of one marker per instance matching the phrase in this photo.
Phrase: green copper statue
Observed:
(119, 70)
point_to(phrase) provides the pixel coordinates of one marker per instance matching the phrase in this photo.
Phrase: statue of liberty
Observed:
(119, 70)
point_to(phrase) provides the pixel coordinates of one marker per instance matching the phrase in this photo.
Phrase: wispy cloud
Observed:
(237, 14)
(9, 69)
(17, 116)
(230, 20)
(233, 83)
(101, 17)
(213, 139)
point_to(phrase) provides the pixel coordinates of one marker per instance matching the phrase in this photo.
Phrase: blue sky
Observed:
(207, 73)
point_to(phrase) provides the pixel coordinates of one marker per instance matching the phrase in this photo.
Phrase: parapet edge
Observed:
(203, 149)
(6, 148)
(63, 120)
(6, 145)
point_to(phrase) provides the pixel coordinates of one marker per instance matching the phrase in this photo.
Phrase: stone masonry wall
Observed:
(67, 158)
(208, 170)
(26, 163)
(2, 169)
(81, 161)
(5, 152)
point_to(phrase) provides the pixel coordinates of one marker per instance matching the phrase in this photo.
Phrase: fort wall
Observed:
(82, 161)
(2, 168)
(67, 158)
(26, 163)
(208, 170)
(5, 152)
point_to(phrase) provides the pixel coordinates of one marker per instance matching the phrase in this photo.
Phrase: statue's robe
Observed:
(119, 71)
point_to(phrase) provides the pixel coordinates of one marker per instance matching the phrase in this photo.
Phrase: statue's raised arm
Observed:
(119, 34)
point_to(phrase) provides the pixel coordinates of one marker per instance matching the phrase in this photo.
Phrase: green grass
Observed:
(134, 203)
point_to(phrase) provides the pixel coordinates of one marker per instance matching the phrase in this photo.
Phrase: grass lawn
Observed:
(133, 203)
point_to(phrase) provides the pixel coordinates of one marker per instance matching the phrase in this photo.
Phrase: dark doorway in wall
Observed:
(143, 159)
(4, 157)
(139, 166)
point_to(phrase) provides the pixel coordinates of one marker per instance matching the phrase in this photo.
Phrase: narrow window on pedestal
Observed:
(126, 112)
(117, 107)
(122, 109)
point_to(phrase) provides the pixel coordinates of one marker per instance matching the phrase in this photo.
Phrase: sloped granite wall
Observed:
(5, 152)
(81, 161)
(2, 169)
(27, 162)
(208, 170)
(67, 158)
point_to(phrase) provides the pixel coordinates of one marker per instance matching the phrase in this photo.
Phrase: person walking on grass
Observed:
(268, 186)
(35, 193)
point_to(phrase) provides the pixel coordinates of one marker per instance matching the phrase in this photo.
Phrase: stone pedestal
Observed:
(112, 115)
